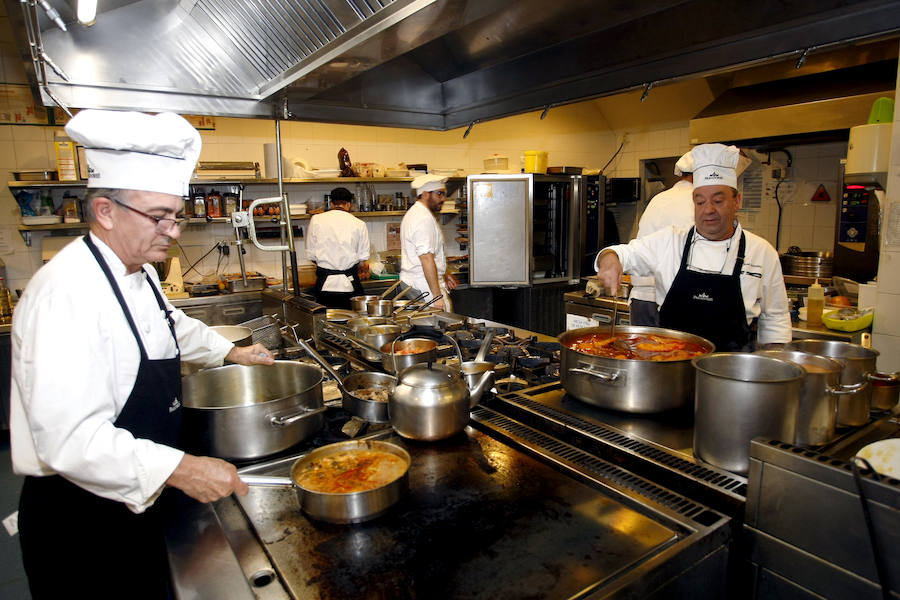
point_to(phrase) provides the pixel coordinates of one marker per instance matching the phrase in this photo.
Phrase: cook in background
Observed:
(423, 265)
(338, 243)
(716, 279)
(96, 377)
(674, 206)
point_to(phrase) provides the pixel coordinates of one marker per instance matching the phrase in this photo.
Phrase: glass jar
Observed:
(231, 202)
(213, 204)
(199, 205)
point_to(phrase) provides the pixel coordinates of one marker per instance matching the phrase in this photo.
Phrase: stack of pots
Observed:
(817, 415)
(859, 364)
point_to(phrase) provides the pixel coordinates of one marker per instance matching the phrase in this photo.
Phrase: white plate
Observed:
(884, 456)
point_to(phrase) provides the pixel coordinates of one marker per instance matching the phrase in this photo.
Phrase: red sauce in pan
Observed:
(351, 471)
(636, 346)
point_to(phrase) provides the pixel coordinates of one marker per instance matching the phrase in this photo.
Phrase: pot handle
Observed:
(267, 480)
(842, 390)
(288, 418)
(601, 375)
(884, 377)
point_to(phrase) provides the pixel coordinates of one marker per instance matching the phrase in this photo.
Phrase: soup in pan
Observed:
(635, 346)
(351, 471)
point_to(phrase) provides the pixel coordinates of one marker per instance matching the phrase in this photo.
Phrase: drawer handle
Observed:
(601, 318)
(234, 311)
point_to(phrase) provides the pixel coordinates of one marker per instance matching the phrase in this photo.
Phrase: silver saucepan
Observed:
(342, 507)
(358, 390)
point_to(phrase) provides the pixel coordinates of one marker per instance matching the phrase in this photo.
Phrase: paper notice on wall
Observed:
(393, 236)
(892, 224)
(577, 321)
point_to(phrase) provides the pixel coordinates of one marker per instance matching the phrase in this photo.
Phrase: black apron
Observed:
(75, 542)
(710, 305)
(337, 299)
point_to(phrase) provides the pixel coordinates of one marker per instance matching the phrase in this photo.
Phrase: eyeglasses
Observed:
(441, 193)
(163, 224)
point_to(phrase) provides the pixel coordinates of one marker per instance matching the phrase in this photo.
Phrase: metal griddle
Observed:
(481, 520)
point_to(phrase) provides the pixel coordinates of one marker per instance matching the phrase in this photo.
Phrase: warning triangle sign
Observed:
(821, 194)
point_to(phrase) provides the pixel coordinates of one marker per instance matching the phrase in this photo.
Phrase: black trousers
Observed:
(76, 544)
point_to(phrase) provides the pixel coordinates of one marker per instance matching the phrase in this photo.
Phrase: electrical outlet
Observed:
(780, 172)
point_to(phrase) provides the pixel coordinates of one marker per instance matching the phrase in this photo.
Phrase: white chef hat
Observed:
(137, 151)
(685, 164)
(428, 183)
(715, 164)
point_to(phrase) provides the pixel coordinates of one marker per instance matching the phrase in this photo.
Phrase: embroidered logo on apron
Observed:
(703, 296)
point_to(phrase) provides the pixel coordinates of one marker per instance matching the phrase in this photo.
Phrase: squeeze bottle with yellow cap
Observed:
(815, 304)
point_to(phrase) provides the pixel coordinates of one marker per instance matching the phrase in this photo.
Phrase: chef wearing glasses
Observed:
(96, 378)
(423, 264)
(717, 280)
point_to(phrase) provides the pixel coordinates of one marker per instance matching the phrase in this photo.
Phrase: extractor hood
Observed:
(433, 64)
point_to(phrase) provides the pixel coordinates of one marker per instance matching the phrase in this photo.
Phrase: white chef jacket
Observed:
(762, 284)
(74, 364)
(337, 240)
(420, 234)
(674, 206)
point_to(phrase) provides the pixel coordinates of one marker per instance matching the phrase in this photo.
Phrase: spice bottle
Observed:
(815, 304)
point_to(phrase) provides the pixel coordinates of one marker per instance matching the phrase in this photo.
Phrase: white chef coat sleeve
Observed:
(67, 384)
(774, 325)
(363, 248)
(312, 233)
(423, 238)
(643, 256)
(198, 343)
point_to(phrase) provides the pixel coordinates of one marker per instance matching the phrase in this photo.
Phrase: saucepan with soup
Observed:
(346, 482)
(632, 369)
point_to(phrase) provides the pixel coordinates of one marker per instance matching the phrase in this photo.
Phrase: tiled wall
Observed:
(886, 329)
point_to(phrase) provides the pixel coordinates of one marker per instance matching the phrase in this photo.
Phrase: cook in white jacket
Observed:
(716, 278)
(337, 242)
(96, 381)
(674, 206)
(423, 264)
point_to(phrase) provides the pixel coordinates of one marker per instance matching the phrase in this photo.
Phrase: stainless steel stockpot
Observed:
(359, 303)
(817, 415)
(245, 412)
(634, 386)
(859, 363)
(739, 397)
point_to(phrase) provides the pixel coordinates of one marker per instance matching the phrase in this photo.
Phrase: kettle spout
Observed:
(486, 382)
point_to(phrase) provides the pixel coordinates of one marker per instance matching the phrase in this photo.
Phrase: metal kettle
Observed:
(432, 401)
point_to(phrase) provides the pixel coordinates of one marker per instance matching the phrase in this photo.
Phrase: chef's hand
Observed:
(257, 354)
(206, 479)
(609, 270)
(450, 281)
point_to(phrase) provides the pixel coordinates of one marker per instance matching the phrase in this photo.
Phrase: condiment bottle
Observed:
(815, 304)
(214, 204)
(5, 304)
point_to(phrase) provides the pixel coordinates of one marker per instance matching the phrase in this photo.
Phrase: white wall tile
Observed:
(887, 313)
(889, 347)
(889, 272)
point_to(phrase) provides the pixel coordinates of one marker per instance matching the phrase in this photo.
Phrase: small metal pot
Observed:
(236, 334)
(380, 308)
(362, 322)
(353, 507)
(859, 362)
(739, 397)
(400, 354)
(377, 336)
(245, 412)
(885, 390)
(359, 303)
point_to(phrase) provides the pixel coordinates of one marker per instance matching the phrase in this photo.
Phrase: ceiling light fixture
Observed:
(87, 12)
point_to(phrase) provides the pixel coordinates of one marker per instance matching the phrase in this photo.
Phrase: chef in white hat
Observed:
(717, 280)
(423, 264)
(674, 206)
(96, 377)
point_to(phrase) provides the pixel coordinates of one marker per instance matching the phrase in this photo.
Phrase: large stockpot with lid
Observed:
(633, 386)
(739, 397)
(859, 363)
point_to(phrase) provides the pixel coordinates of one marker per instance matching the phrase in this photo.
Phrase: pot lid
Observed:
(429, 375)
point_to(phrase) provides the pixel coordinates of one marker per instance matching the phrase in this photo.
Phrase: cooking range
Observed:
(541, 496)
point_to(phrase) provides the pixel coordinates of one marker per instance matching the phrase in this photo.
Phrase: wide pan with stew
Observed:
(633, 369)
(346, 482)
